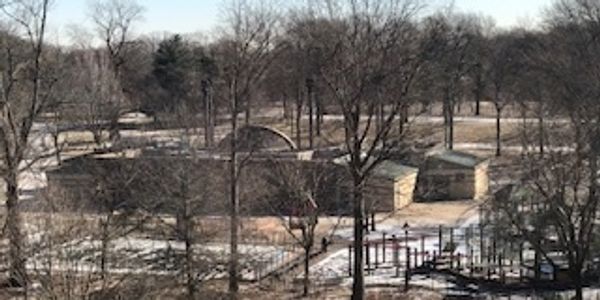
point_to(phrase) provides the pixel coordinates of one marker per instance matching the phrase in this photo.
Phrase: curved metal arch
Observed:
(268, 129)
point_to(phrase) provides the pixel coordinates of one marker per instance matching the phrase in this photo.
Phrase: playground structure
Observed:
(472, 253)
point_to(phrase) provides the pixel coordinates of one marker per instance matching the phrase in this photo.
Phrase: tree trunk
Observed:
(319, 113)
(306, 280)
(577, 281)
(358, 284)
(477, 101)
(541, 131)
(105, 240)
(450, 125)
(189, 265)
(309, 102)
(478, 90)
(284, 101)
(208, 116)
(446, 123)
(400, 124)
(97, 134)
(57, 147)
(184, 232)
(298, 119)
(448, 112)
(498, 115)
(191, 288)
(379, 117)
(17, 271)
(248, 111)
(234, 205)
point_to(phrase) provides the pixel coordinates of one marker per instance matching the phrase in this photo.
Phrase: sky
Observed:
(190, 16)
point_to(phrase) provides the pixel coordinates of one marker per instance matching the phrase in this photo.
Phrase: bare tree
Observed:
(25, 90)
(113, 20)
(566, 184)
(95, 99)
(554, 210)
(300, 190)
(377, 51)
(502, 74)
(479, 55)
(246, 53)
(454, 36)
(188, 193)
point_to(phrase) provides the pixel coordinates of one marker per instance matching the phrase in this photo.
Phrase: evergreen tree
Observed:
(173, 61)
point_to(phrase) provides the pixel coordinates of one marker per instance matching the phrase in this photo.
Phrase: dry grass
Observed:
(434, 213)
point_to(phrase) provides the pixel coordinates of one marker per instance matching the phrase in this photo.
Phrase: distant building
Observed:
(154, 181)
(391, 187)
(453, 175)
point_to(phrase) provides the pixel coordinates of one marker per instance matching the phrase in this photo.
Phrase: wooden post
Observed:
(481, 245)
(452, 248)
(416, 258)
(471, 261)
(501, 267)
(407, 271)
(376, 255)
(488, 266)
(494, 246)
(536, 264)
(422, 250)
(383, 248)
(367, 256)
(373, 221)
(350, 260)
(396, 254)
(440, 239)
(467, 242)
(511, 255)
(520, 261)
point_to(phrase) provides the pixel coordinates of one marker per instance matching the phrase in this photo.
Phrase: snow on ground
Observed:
(163, 257)
(510, 148)
(335, 267)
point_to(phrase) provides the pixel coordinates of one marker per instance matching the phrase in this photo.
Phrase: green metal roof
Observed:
(459, 158)
(393, 170)
(387, 168)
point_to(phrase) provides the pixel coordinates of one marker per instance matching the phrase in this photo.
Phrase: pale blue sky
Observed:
(188, 16)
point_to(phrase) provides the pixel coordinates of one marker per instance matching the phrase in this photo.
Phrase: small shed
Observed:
(391, 187)
(453, 175)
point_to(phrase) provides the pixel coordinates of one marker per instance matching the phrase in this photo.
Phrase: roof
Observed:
(388, 169)
(393, 170)
(458, 158)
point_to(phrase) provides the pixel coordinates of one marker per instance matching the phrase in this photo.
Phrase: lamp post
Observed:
(407, 270)
(406, 227)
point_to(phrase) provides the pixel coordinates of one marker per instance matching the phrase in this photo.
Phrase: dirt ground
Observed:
(434, 213)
